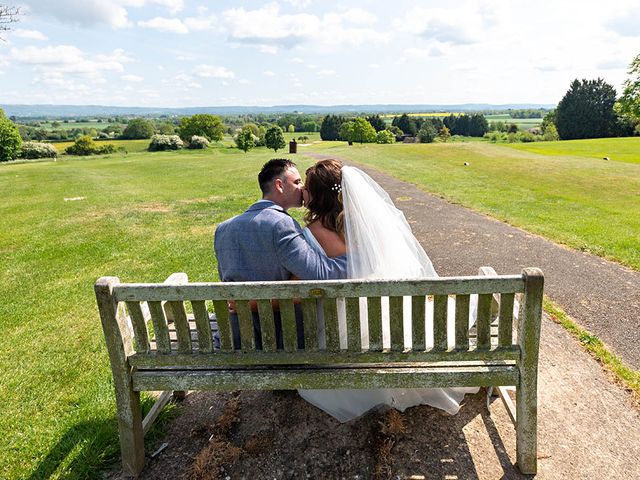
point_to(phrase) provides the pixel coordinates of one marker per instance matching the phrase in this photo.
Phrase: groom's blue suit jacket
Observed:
(265, 243)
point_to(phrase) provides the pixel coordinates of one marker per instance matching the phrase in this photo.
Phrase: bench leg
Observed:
(526, 427)
(131, 432)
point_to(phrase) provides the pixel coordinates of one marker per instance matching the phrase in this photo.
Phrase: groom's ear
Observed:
(278, 185)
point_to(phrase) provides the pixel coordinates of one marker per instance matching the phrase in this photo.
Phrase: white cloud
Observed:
(268, 73)
(212, 71)
(201, 23)
(132, 78)
(357, 16)
(268, 29)
(53, 64)
(173, 25)
(626, 24)
(296, 60)
(454, 26)
(29, 34)
(299, 3)
(326, 73)
(86, 13)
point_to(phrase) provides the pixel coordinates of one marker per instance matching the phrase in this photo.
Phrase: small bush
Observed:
(83, 145)
(385, 136)
(198, 142)
(165, 142)
(303, 138)
(32, 150)
(106, 149)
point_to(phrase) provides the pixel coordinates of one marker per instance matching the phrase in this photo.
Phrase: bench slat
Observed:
(353, 324)
(318, 289)
(309, 310)
(182, 326)
(326, 378)
(267, 325)
(462, 322)
(374, 307)
(222, 317)
(329, 309)
(176, 360)
(505, 324)
(483, 324)
(418, 323)
(203, 327)
(139, 327)
(160, 328)
(245, 321)
(396, 323)
(289, 330)
(440, 322)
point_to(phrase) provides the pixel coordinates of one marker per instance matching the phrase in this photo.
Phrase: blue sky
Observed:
(179, 53)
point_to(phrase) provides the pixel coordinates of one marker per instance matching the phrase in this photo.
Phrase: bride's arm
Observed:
(332, 243)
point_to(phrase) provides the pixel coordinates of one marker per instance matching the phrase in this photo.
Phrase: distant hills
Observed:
(61, 111)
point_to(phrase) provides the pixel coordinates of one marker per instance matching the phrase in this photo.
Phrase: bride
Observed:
(348, 212)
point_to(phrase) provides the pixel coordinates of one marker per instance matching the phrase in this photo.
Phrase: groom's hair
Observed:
(271, 170)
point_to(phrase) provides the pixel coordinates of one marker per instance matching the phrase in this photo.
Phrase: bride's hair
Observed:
(323, 182)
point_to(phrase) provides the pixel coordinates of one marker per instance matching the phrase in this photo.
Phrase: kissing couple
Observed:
(353, 230)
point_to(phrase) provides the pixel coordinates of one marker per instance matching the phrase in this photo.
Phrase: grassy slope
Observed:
(617, 149)
(144, 217)
(583, 202)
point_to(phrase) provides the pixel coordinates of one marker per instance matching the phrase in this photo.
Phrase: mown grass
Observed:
(616, 149)
(140, 217)
(586, 203)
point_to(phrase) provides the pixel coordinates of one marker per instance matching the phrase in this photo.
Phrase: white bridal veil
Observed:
(380, 245)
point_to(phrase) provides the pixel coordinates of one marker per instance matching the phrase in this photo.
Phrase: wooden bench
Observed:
(501, 350)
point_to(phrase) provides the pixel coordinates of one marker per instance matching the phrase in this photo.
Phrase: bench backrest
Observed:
(160, 342)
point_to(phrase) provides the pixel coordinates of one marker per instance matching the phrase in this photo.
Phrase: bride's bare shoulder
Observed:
(332, 243)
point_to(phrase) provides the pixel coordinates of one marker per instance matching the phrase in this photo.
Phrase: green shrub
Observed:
(427, 133)
(138, 128)
(10, 140)
(165, 142)
(385, 136)
(246, 140)
(198, 142)
(83, 145)
(32, 150)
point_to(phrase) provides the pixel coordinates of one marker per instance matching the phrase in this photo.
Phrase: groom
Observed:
(265, 243)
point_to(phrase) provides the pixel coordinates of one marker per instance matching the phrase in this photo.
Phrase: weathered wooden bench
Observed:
(155, 345)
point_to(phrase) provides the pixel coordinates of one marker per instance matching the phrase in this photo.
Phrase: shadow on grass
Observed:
(88, 448)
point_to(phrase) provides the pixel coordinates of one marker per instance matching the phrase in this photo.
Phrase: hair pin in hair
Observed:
(337, 187)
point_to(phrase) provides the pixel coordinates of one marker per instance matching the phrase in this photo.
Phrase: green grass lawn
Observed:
(143, 216)
(616, 149)
(140, 217)
(581, 201)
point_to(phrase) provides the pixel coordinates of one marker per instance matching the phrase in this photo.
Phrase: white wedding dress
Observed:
(380, 245)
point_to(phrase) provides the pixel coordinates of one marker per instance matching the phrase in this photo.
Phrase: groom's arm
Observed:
(298, 257)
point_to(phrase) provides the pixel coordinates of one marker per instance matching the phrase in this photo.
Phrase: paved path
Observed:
(602, 296)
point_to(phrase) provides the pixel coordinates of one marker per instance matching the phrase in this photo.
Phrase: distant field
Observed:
(581, 201)
(616, 149)
(426, 114)
(522, 123)
(71, 125)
